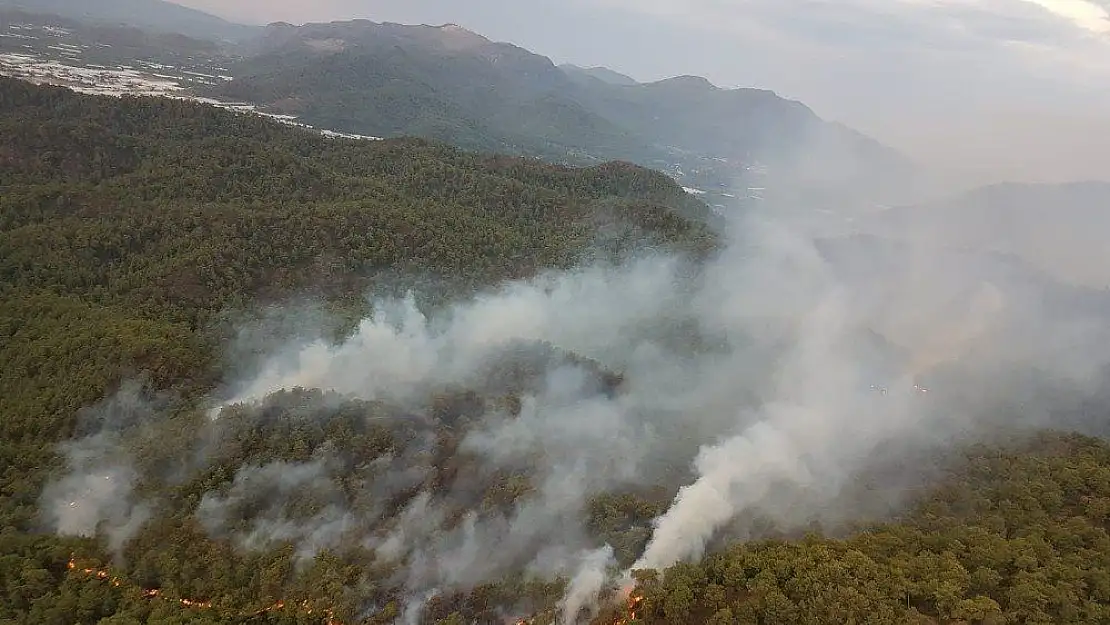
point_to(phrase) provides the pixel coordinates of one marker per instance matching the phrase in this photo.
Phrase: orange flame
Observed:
(635, 601)
(152, 593)
(97, 573)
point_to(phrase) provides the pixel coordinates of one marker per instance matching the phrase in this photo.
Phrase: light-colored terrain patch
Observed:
(326, 45)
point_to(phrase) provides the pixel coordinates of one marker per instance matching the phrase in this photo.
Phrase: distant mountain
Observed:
(603, 74)
(447, 83)
(151, 14)
(690, 114)
(87, 41)
(731, 147)
(443, 82)
(1060, 229)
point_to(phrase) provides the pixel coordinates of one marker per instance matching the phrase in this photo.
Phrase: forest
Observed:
(138, 237)
(135, 233)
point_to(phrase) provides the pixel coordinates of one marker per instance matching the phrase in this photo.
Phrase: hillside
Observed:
(157, 15)
(450, 84)
(205, 420)
(443, 83)
(603, 74)
(786, 142)
(980, 549)
(107, 165)
(732, 147)
(105, 45)
(142, 222)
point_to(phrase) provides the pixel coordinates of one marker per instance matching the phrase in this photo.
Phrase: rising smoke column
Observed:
(815, 428)
(586, 583)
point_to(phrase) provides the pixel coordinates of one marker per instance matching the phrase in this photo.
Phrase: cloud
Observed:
(927, 42)
(1087, 15)
(928, 25)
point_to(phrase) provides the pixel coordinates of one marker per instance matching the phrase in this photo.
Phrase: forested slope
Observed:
(131, 230)
(137, 234)
(1013, 536)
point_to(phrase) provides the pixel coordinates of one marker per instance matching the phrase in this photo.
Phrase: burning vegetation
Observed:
(634, 603)
(303, 607)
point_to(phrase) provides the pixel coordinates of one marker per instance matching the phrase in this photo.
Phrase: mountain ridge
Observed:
(159, 15)
(598, 72)
(448, 83)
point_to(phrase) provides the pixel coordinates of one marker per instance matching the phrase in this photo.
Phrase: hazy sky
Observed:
(1019, 88)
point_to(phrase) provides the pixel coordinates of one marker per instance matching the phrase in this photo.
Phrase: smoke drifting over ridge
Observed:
(786, 362)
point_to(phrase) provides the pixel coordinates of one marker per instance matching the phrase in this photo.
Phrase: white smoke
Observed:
(267, 488)
(400, 352)
(756, 371)
(815, 429)
(587, 583)
(97, 493)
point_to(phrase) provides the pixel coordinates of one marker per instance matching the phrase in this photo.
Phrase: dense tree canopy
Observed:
(136, 233)
(1015, 536)
(132, 230)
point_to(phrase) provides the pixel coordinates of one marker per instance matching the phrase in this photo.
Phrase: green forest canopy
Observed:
(128, 227)
(132, 229)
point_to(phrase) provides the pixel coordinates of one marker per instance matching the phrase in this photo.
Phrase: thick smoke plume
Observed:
(789, 363)
(97, 494)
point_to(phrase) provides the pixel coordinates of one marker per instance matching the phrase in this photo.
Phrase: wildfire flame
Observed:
(97, 573)
(632, 612)
(153, 593)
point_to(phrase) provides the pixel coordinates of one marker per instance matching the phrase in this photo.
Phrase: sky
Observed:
(1006, 89)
